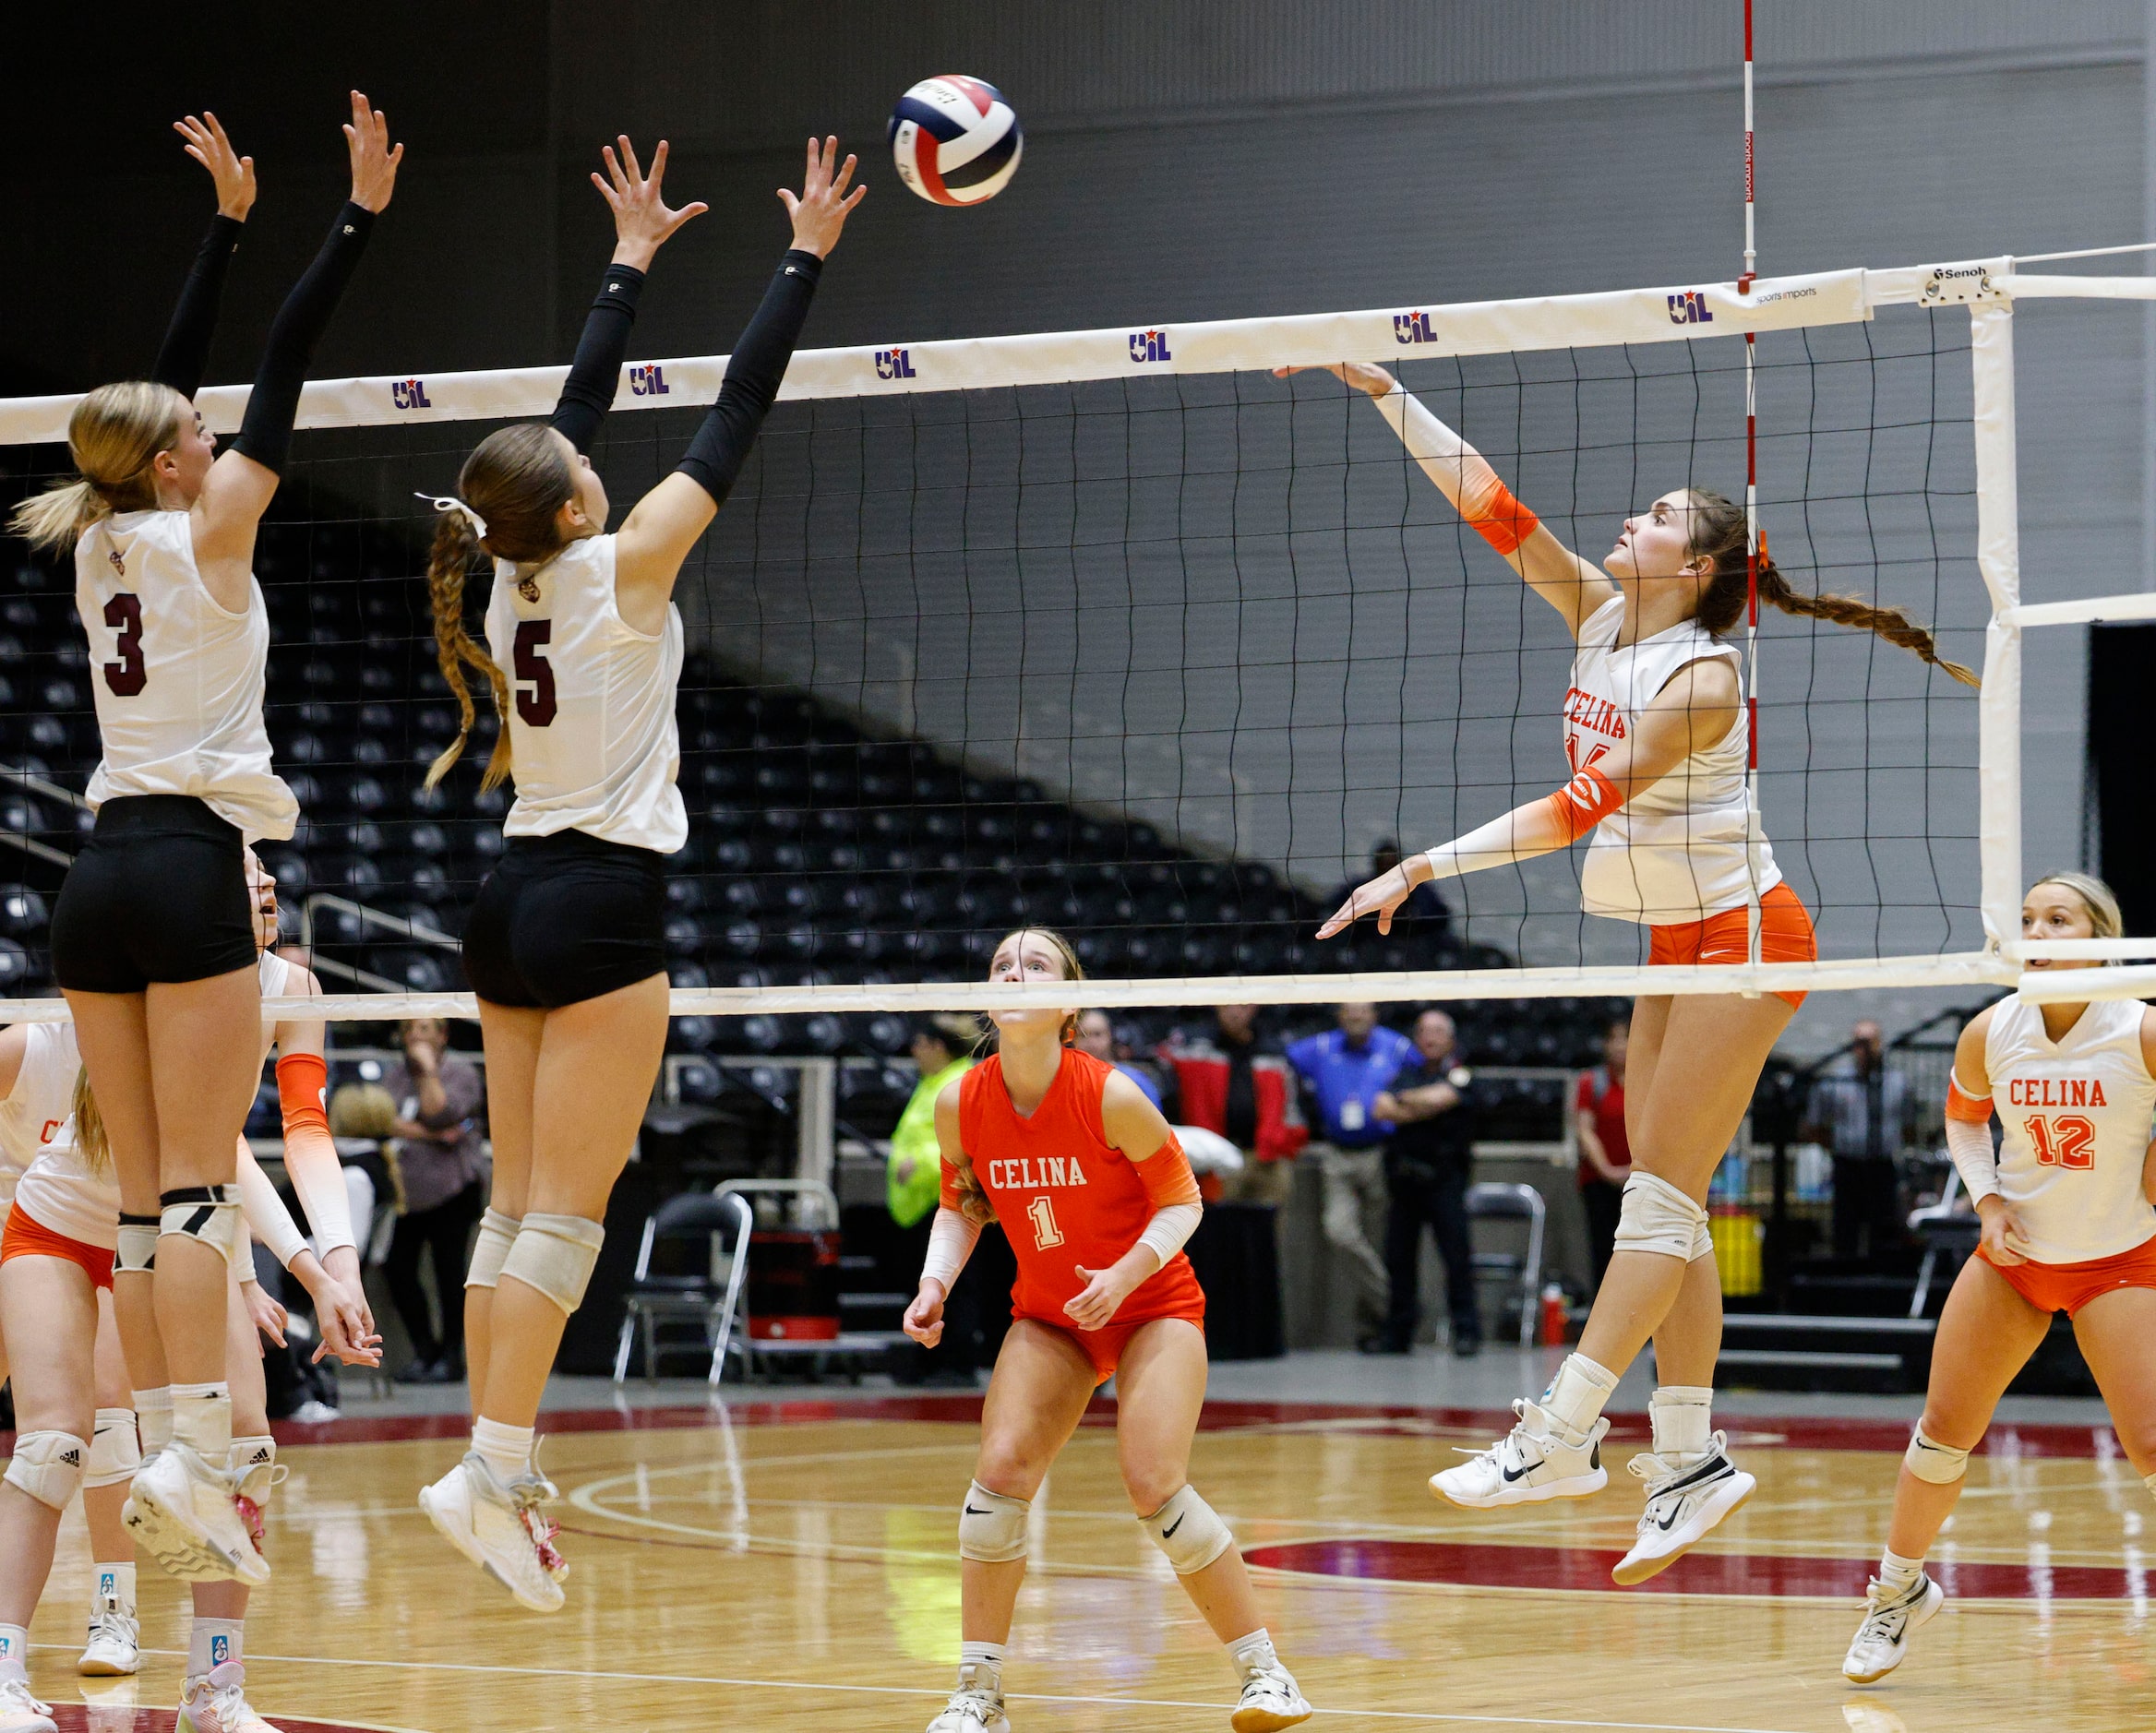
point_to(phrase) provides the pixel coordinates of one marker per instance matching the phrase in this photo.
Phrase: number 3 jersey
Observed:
(176, 677)
(592, 735)
(2075, 1115)
(1064, 1194)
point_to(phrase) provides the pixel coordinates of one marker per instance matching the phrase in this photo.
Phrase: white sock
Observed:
(213, 1642)
(14, 1652)
(202, 1420)
(1575, 1395)
(2150, 1481)
(1682, 1418)
(980, 1663)
(153, 1413)
(254, 1458)
(505, 1449)
(1896, 1573)
(112, 1588)
(1254, 1652)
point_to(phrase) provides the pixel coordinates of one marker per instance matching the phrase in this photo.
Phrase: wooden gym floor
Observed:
(790, 1564)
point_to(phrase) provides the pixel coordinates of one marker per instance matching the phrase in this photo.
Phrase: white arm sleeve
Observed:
(1970, 1146)
(267, 1215)
(1171, 1225)
(950, 1243)
(1496, 844)
(1463, 475)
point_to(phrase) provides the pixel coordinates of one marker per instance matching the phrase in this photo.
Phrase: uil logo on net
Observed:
(649, 382)
(1149, 346)
(1413, 327)
(895, 364)
(1689, 306)
(410, 394)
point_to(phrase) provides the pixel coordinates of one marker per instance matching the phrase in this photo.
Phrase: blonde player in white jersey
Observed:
(2068, 1225)
(150, 938)
(1656, 742)
(564, 945)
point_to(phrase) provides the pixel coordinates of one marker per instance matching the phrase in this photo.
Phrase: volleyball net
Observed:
(1117, 633)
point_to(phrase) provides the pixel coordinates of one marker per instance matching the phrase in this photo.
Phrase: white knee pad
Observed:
(1655, 1216)
(498, 1233)
(137, 1252)
(209, 1213)
(556, 1255)
(253, 1464)
(991, 1528)
(1188, 1531)
(48, 1466)
(114, 1452)
(1928, 1460)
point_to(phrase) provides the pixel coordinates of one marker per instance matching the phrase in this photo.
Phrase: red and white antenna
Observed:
(1753, 548)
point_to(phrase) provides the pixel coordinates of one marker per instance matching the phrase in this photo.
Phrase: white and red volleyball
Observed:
(956, 141)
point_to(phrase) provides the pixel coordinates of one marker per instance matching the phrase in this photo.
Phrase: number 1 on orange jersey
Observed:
(1045, 1231)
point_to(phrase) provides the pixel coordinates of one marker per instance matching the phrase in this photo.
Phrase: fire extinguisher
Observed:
(1555, 1322)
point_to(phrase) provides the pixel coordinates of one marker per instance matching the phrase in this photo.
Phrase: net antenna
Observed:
(1755, 827)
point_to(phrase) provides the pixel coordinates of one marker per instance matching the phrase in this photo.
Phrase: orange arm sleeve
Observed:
(1167, 1176)
(1584, 802)
(1971, 1109)
(310, 1153)
(1504, 523)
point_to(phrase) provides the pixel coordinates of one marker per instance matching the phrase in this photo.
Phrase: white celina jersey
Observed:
(177, 679)
(1678, 851)
(592, 726)
(2075, 1117)
(39, 1104)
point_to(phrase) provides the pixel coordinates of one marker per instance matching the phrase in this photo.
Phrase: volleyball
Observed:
(956, 141)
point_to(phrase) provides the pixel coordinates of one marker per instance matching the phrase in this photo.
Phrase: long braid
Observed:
(1717, 532)
(455, 548)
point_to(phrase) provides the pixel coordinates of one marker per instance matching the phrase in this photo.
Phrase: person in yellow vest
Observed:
(943, 1049)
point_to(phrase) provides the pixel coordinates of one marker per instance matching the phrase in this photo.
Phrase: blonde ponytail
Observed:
(90, 1142)
(113, 436)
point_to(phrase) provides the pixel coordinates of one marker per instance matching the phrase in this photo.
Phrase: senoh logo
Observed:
(409, 394)
(1412, 327)
(893, 363)
(1690, 308)
(649, 382)
(1150, 346)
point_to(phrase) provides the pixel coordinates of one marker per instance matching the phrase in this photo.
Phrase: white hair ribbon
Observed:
(449, 502)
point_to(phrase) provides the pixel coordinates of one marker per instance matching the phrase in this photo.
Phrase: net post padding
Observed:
(1998, 558)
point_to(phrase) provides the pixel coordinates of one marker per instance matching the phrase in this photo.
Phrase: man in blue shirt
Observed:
(1344, 1072)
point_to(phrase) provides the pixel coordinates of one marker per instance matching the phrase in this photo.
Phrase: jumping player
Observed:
(2067, 1226)
(1096, 1198)
(563, 946)
(153, 941)
(1655, 734)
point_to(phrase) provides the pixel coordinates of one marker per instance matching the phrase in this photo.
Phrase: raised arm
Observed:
(244, 478)
(657, 535)
(184, 354)
(1698, 706)
(642, 225)
(1574, 587)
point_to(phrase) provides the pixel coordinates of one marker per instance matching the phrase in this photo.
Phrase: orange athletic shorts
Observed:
(27, 1238)
(1785, 936)
(2067, 1287)
(1105, 1347)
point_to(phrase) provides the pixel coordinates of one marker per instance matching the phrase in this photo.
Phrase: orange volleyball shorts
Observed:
(1785, 936)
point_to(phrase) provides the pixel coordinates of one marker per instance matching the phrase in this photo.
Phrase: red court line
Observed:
(2049, 1439)
(1475, 1565)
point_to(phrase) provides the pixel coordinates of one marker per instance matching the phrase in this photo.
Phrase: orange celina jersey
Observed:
(1063, 1193)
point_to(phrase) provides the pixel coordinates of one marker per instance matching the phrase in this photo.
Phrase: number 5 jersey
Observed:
(2075, 1115)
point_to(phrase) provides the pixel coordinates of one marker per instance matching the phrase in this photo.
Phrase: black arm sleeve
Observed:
(595, 375)
(753, 375)
(265, 432)
(185, 356)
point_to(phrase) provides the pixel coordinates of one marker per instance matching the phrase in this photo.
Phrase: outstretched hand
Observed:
(1362, 374)
(821, 208)
(642, 220)
(1381, 895)
(233, 173)
(374, 159)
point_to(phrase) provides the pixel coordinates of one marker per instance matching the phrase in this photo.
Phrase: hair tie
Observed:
(449, 502)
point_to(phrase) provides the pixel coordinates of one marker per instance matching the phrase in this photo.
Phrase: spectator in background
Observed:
(1605, 1154)
(1228, 1084)
(1427, 1164)
(1344, 1072)
(1860, 1111)
(441, 1175)
(942, 1050)
(1097, 1035)
(1425, 906)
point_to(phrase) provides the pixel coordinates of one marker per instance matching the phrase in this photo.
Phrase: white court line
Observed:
(920, 1690)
